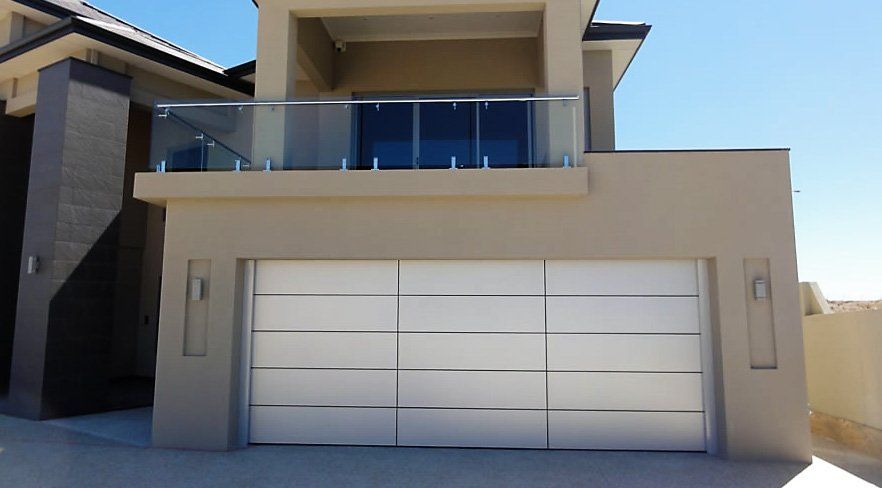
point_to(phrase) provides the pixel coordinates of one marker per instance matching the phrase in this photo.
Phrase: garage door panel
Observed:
(326, 277)
(472, 278)
(471, 389)
(472, 428)
(640, 278)
(567, 354)
(329, 313)
(652, 431)
(625, 391)
(519, 352)
(637, 353)
(328, 388)
(642, 315)
(312, 425)
(472, 314)
(324, 350)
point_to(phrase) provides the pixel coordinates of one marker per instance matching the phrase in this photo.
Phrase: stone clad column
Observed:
(62, 352)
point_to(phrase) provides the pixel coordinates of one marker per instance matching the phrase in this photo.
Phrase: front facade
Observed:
(419, 232)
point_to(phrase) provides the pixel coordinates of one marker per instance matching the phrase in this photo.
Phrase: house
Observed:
(417, 232)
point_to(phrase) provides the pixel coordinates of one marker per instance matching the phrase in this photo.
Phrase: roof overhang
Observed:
(623, 39)
(74, 33)
(589, 9)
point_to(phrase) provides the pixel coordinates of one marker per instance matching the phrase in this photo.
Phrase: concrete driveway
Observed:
(107, 450)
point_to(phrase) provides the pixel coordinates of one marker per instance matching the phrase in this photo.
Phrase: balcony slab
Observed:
(159, 188)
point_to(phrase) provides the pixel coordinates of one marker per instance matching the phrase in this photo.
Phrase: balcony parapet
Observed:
(159, 188)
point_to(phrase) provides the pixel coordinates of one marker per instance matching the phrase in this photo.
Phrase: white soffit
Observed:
(589, 7)
(72, 44)
(476, 25)
(623, 52)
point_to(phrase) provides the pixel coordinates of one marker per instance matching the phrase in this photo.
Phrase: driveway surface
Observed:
(108, 450)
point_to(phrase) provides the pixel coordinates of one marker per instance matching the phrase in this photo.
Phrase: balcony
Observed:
(371, 134)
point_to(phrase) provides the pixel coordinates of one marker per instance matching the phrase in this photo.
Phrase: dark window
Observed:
(189, 158)
(387, 134)
(429, 135)
(587, 103)
(446, 131)
(505, 134)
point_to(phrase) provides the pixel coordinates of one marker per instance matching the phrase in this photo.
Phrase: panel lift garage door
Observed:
(515, 354)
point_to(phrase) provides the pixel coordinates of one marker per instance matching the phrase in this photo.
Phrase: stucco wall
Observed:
(843, 365)
(454, 66)
(550, 63)
(720, 206)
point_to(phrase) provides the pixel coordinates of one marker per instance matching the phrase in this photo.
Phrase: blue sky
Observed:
(712, 74)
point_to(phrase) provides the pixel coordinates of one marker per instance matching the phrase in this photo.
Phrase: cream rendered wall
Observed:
(843, 367)
(14, 26)
(438, 66)
(495, 65)
(599, 80)
(638, 206)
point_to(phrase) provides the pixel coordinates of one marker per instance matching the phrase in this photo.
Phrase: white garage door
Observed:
(521, 354)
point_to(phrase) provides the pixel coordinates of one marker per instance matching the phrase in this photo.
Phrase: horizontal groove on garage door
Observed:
(489, 409)
(482, 370)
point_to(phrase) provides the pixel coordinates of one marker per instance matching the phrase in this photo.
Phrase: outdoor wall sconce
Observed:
(760, 290)
(196, 289)
(33, 265)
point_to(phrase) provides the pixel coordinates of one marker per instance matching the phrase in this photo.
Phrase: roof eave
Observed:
(73, 25)
(599, 31)
(612, 31)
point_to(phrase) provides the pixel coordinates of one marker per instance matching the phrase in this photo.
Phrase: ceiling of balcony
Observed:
(476, 25)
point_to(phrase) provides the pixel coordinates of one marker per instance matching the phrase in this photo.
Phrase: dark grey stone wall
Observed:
(65, 318)
(15, 161)
(132, 239)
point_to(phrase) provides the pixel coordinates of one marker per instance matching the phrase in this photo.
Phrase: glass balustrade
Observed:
(368, 134)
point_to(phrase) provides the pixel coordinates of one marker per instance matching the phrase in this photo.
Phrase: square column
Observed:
(277, 47)
(561, 42)
(66, 306)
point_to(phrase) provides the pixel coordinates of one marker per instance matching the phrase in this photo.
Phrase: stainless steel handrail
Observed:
(365, 102)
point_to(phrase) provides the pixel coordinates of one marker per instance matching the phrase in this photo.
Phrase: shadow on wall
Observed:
(15, 148)
(99, 295)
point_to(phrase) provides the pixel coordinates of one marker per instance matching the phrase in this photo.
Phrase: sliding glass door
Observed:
(435, 134)
(386, 136)
(505, 134)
